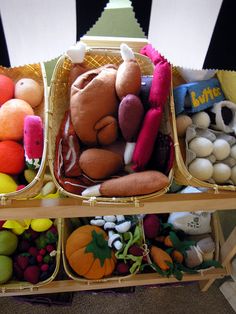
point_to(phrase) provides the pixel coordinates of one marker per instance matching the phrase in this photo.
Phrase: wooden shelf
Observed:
(68, 207)
(137, 280)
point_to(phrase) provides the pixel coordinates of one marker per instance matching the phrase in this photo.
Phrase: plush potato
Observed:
(94, 106)
(100, 163)
(128, 79)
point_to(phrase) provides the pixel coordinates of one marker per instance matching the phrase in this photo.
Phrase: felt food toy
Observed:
(160, 257)
(201, 120)
(228, 82)
(93, 105)
(221, 149)
(201, 168)
(6, 268)
(12, 115)
(17, 226)
(7, 86)
(201, 146)
(41, 224)
(133, 184)
(221, 172)
(100, 163)
(30, 91)
(11, 157)
(8, 242)
(128, 79)
(33, 141)
(7, 184)
(182, 123)
(130, 115)
(88, 253)
(158, 97)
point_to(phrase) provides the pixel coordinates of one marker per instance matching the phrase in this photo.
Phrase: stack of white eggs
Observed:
(210, 160)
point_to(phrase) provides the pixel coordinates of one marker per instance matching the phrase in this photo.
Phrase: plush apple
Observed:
(7, 86)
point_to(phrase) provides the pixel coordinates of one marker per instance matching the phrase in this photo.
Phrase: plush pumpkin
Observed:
(88, 253)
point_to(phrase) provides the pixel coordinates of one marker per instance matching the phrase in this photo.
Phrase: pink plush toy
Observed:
(158, 96)
(33, 141)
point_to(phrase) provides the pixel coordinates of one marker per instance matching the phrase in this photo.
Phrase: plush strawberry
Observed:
(32, 274)
(22, 261)
(33, 251)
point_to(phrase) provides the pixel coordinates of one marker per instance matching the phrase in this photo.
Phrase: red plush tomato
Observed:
(6, 88)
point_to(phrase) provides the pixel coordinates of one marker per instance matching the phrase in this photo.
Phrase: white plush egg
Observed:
(233, 175)
(221, 172)
(233, 151)
(201, 146)
(201, 120)
(221, 149)
(201, 168)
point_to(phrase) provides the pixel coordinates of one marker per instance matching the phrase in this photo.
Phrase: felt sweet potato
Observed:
(160, 257)
(94, 106)
(100, 163)
(133, 184)
(128, 79)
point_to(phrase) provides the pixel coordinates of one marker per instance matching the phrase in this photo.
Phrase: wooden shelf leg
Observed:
(205, 284)
(228, 249)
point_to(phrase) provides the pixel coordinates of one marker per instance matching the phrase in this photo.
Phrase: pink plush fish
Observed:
(33, 141)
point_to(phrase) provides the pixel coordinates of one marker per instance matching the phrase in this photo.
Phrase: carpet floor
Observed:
(144, 300)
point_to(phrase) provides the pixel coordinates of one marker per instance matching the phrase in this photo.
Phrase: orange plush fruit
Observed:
(12, 115)
(29, 90)
(6, 88)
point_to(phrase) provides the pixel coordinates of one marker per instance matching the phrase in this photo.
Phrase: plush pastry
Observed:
(221, 149)
(33, 141)
(12, 115)
(94, 106)
(221, 172)
(30, 91)
(7, 87)
(130, 115)
(183, 121)
(201, 168)
(206, 247)
(100, 163)
(141, 183)
(201, 120)
(128, 79)
(201, 146)
(11, 157)
(158, 97)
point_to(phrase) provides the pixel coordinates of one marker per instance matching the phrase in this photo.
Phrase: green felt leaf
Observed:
(207, 264)
(180, 245)
(99, 247)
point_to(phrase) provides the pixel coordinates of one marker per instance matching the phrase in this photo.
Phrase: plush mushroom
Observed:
(97, 221)
(122, 225)
(114, 239)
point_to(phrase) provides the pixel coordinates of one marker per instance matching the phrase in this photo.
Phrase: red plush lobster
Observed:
(157, 98)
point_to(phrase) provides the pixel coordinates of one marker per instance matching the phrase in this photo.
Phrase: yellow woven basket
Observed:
(21, 285)
(36, 72)
(58, 105)
(181, 174)
(66, 231)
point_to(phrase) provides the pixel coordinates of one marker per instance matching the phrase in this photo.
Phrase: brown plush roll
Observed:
(139, 183)
(100, 163)
(94, 106)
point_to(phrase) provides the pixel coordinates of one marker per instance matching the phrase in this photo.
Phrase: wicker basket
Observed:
(181, 173)
(58, 105)
(36, 72)
(215, 236)
(20, 285)
(66, 231)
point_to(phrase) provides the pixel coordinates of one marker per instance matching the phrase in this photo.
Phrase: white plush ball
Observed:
(201, 168)
(233, 151)
(221, 172)
(201, 146)
(221, 149)
(201, 119)
(233, 175)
